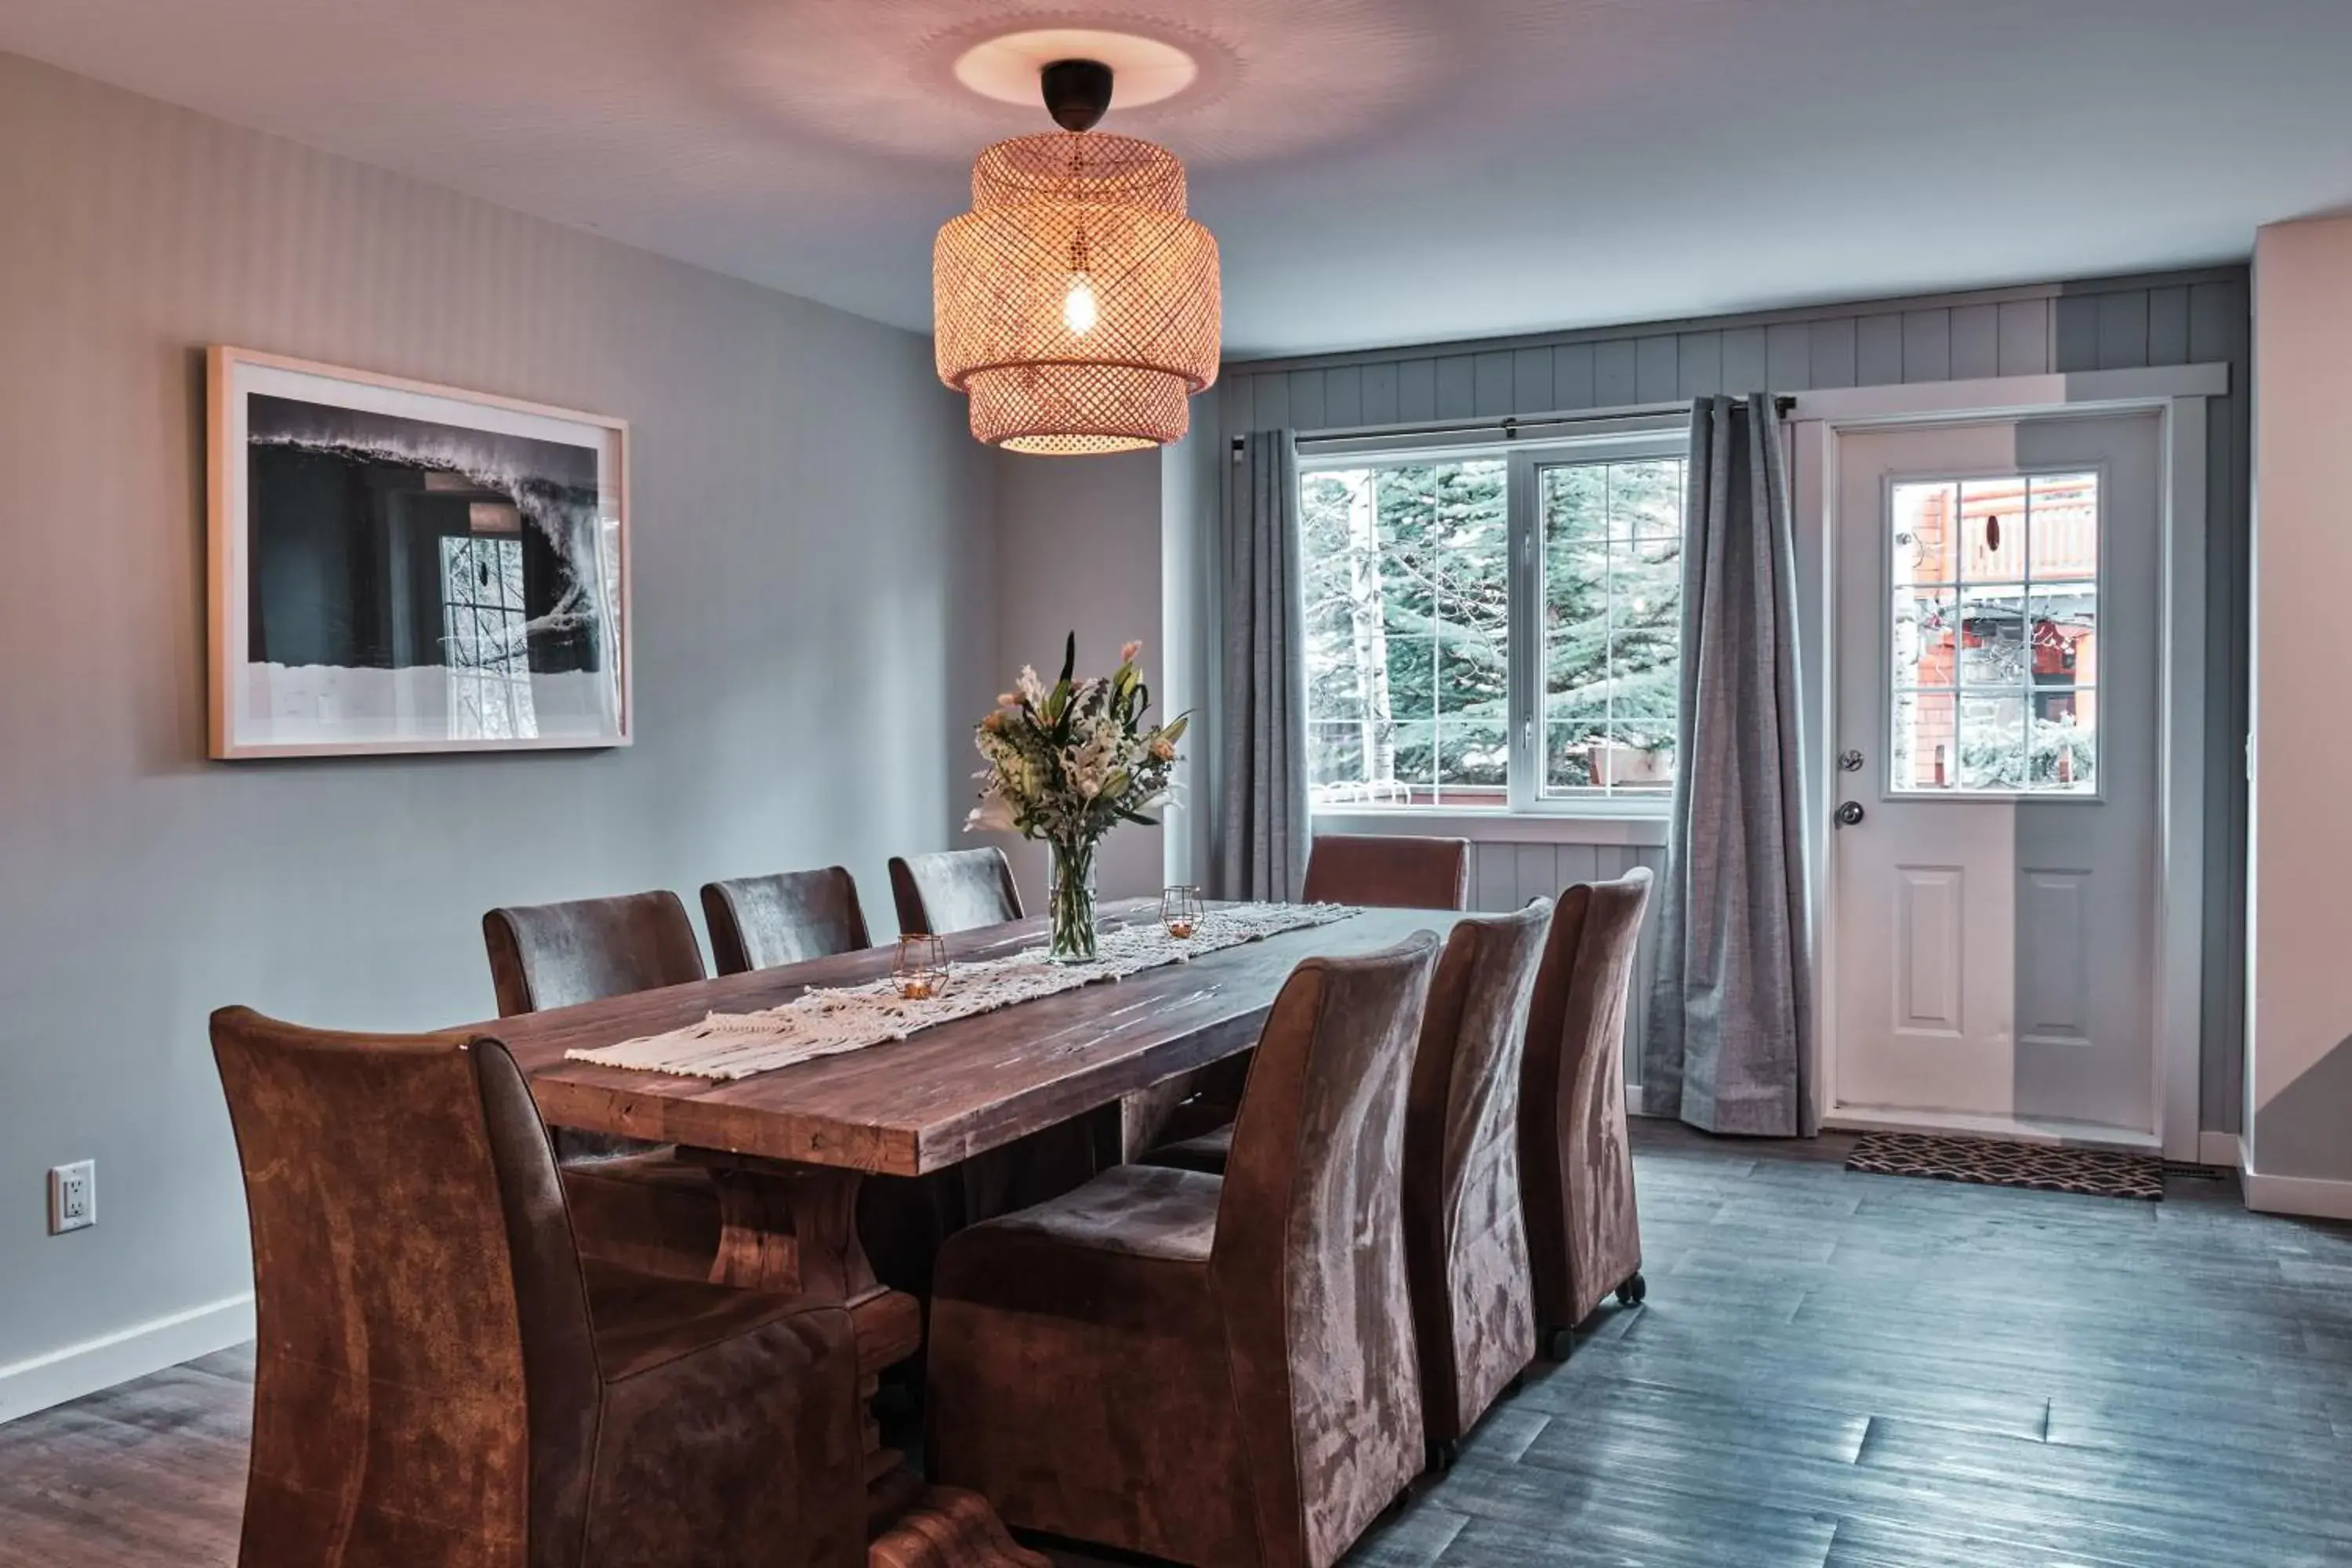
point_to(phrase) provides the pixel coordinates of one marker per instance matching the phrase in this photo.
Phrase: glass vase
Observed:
(1070, 901)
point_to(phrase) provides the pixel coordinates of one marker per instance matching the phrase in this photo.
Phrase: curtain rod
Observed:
(1511, 427)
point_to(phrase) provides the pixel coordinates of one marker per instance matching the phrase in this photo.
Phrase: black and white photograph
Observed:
(400, 568)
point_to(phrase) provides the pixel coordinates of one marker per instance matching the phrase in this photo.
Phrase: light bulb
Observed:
(1078, 311)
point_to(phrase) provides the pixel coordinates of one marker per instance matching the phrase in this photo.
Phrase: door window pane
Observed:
(1993, 634)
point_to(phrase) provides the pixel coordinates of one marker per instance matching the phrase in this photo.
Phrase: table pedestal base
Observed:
(793, 1229)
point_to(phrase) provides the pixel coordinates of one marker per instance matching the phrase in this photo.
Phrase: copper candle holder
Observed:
(1180, 910)
(921, 973)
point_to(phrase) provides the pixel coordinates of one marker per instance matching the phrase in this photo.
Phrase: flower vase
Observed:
(1070, 901)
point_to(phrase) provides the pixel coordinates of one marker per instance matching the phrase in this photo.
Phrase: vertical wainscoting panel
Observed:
(1504, 877)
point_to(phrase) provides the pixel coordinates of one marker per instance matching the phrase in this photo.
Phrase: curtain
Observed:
(1727, 1047)
(1262, 729)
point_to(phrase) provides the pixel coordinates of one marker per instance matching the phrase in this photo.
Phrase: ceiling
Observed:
(1376, 171)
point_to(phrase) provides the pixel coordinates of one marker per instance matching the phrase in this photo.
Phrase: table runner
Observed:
(825, 1021)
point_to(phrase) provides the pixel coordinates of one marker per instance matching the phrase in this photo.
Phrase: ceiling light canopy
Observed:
(1076, 304)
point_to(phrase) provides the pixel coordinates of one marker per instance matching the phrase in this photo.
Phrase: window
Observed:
(484, 645)
(1495, 628)
(1994, 642)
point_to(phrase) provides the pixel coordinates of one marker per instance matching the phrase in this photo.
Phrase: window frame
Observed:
(1525, 458)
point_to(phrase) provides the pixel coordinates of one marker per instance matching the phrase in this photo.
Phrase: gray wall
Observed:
(2105, 324)
(1080, 551)
(810, 519)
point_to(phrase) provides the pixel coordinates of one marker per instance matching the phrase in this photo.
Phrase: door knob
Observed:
(1849, 813)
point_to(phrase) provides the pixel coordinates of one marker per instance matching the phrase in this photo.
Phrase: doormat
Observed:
(1987, 1162)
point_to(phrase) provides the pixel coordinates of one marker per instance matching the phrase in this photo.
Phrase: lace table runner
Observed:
(825, 1023)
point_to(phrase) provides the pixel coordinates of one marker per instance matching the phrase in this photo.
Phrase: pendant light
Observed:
(1076, 305)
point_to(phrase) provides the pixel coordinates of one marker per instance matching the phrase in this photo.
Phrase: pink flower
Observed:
(1164, 749)
(1127, 655)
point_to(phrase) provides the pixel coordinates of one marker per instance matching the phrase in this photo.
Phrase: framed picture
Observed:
(402, 567)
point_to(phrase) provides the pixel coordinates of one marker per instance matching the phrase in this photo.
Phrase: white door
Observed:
(1992, 872)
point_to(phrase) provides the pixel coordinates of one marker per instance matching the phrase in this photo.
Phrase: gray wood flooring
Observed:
(1831, 1371)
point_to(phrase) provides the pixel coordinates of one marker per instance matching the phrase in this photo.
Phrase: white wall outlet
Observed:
(73, 1197)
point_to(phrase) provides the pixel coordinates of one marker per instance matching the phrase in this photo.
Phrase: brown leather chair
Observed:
(440, 1378)
(559, 955)
(1465, 1243)
(762, 922)
(1388, 871)
(633, 1203)
(1212, 1371)
(1584, 1234)
(953, 889)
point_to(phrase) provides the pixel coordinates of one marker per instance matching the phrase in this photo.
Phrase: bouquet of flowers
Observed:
(1067, 763)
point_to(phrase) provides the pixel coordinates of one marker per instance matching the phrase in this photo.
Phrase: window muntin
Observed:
(1491, 627)
(1993, 641)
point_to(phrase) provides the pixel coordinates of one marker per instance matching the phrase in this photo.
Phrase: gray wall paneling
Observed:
(2102, 324)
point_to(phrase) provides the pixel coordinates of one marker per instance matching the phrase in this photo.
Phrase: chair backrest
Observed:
(953, 889)
(559, 955)
(424, 1368)
(1310, 1251)
(761, 922)
(1388, 871)
(1572, 1079)
(1462, 1203)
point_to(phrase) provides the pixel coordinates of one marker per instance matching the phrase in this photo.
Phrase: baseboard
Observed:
(1633, 1099)
(2305, 1196)
(69, 1373)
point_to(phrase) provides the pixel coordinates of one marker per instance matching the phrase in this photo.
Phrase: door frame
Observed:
(2177, 395)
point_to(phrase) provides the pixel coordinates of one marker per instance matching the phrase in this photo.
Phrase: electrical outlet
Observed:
(73, 1197)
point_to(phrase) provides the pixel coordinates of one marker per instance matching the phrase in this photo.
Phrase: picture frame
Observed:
(396, 566)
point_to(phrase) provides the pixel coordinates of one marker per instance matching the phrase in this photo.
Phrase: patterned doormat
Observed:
(2044, 1168)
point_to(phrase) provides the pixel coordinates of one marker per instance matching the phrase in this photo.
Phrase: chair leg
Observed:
(1558, 1343)
(1634, 1292)
(1443, 1452)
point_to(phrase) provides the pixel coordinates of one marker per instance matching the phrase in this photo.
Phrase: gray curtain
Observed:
(1727, 1045)
(1262, 734)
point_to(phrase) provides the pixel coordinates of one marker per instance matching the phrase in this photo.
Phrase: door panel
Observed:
(1993, 910)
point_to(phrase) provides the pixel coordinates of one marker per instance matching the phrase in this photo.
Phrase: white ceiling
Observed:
(1377, 171)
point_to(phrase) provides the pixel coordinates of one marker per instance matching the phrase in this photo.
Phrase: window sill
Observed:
(1501, 826)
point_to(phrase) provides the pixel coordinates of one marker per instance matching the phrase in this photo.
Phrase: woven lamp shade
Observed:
(1064, 213)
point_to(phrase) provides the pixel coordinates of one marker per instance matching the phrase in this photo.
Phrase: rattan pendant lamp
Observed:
(1076, 304)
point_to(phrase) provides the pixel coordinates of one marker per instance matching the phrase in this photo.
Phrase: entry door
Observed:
(1992, 868)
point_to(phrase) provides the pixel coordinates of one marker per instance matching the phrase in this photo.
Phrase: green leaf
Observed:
(1174, 730)
(1069, 660)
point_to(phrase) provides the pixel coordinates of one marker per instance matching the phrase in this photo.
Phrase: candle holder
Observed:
(1180, 910)
(921, 973)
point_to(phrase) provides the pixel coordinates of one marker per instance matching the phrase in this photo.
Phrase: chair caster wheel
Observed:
(1559, 1345)
(1632, 1292)
(1442, 1455)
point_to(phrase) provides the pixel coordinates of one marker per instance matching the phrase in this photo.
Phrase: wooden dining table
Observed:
(788, 1149)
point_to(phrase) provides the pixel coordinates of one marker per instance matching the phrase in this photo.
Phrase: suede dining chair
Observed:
(1466, 1234)
(950, 890)
(633, 1203)
(1389, 871)
(1465, 1243)
(1584, 1232)
(1213, 1371)
(762, 922)
(440, 1377)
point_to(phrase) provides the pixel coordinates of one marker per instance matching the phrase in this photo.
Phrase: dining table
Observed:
(787, 1150)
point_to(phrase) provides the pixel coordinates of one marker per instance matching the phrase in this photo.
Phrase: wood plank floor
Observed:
(1833, 1371)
